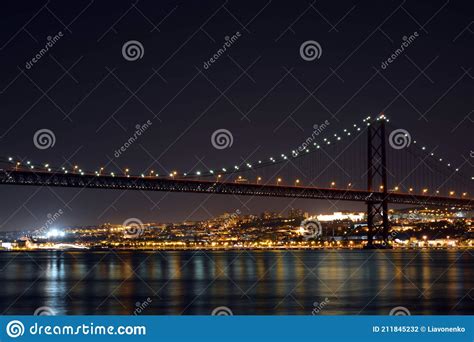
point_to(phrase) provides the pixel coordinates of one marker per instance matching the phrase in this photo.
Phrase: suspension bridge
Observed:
(356, 164)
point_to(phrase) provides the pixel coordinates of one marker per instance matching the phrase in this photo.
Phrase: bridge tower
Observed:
(377, 211)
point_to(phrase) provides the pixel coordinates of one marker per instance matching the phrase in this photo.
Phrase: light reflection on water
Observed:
(248, 282)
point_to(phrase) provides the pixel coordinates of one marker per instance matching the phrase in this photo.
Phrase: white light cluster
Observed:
(54, 233)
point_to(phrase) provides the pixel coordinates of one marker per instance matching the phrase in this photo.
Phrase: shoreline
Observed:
(233, 249)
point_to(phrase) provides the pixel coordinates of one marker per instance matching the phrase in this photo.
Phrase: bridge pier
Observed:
(377, 211)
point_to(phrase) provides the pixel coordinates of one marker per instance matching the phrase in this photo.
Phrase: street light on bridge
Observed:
(259, 179)
(333, 184)
(297, 182)
(278, 181)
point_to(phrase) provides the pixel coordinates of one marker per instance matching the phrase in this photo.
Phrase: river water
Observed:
(323, 282)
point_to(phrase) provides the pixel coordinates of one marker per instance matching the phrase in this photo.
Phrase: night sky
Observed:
(92, 98)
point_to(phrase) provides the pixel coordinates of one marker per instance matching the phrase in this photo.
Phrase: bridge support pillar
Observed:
(377, 211)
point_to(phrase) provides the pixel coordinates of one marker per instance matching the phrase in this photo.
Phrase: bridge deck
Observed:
(205, 186)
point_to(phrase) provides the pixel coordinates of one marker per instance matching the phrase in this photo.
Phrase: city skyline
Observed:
(296, 229)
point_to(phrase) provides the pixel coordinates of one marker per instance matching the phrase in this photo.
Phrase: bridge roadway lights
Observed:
(36, 178)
